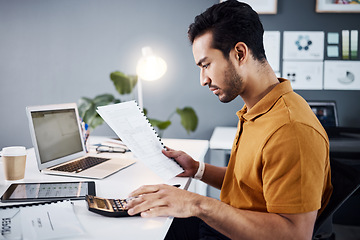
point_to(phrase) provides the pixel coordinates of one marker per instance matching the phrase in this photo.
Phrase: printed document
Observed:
(134, 129)
(40, 221)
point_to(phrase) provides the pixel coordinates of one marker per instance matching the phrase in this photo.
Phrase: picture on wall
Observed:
(303, 45)
(304, 75)
(337, 6)
(261, 6)
(342, 75)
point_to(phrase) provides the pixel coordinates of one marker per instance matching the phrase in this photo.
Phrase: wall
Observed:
(301, 16)
(58, 51)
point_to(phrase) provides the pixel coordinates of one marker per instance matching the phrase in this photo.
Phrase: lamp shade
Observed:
(150, 67)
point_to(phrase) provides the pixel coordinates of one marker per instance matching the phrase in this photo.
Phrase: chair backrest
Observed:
(345, 180)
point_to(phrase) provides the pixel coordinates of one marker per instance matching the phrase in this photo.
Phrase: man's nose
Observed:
(204, 80)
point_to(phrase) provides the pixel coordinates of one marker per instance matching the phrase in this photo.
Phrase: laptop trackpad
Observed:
(111, 165)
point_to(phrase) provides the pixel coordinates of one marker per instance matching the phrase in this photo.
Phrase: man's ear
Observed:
(241, 51)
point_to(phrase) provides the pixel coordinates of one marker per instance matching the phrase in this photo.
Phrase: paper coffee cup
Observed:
(14, 161)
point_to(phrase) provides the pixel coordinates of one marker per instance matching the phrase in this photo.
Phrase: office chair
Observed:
(345, 180)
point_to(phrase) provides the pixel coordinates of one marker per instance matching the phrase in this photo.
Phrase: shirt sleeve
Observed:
(294, 164)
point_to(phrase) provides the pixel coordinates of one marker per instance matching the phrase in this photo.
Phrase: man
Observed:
(278, 176)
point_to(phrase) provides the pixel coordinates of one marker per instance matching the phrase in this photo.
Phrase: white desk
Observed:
(119, 185)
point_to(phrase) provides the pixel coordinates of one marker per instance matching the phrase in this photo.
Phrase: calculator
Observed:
(107, 207)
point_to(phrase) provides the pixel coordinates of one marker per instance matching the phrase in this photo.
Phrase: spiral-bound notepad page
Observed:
(132, 127)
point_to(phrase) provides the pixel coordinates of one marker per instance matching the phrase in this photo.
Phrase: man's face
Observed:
(217, 72)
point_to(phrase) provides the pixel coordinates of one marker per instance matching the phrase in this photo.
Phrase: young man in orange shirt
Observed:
(278, 177)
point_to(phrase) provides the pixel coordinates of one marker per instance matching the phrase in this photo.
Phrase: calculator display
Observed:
(101, 203)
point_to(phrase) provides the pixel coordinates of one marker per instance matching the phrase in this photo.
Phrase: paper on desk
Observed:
(133, 128)
(10, 224)
(55, 220)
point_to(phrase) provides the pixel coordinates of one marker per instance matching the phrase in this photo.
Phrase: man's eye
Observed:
(205, 66)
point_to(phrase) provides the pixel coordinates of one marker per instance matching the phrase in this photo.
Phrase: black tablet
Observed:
(48, 191)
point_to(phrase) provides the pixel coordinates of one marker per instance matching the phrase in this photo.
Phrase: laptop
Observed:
(326, 112)
(59, 147)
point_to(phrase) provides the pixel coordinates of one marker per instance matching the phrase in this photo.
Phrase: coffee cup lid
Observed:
(14, 151)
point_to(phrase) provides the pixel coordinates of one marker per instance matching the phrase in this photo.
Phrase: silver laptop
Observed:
(59, 147)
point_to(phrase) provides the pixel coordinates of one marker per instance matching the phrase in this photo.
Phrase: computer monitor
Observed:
(325, 112)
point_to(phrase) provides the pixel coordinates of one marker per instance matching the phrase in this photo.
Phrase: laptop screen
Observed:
(325, 112)
(57, 133)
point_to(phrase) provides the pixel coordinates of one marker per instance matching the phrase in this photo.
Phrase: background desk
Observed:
(119, 185)
(220, 147)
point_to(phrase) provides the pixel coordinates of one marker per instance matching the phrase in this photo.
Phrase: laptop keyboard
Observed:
(81, 164)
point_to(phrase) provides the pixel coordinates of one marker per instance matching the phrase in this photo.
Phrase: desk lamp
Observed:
(149, 68)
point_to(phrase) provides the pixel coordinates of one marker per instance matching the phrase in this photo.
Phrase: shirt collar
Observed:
(266, 102)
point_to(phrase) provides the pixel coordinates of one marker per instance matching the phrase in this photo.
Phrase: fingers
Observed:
(163, 200)
(143, 199)
(155, 212)
(150, 200)
(145, 203)
(171, 153)
(145, 190)
(183, 174)
(168, 149)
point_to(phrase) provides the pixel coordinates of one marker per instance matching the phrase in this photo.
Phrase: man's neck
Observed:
(258, 85)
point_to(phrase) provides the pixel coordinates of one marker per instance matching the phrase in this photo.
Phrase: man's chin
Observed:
(225, 99)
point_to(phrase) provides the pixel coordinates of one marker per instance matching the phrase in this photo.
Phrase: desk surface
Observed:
(347, 142)
(118, 185)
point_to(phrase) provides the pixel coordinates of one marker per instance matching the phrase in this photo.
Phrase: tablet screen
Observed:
(48, 191)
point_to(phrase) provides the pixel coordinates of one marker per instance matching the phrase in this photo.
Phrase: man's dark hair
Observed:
(230, 22)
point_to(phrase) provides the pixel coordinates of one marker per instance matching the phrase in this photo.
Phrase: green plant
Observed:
(124, 84)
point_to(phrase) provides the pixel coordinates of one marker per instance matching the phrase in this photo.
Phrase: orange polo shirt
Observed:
(280, 157)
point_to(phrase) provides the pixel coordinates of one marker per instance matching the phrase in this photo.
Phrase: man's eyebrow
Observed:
(199, 63)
